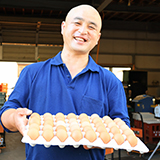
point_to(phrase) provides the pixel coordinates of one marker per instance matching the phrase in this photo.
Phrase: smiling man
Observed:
(69, 82)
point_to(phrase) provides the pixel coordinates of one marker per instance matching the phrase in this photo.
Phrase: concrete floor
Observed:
(15, 150)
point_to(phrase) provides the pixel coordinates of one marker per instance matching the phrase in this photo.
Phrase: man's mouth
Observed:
(80, 39)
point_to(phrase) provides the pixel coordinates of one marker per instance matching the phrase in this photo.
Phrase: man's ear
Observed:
(62, 27)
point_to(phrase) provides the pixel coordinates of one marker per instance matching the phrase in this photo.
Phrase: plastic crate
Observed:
(151, 131)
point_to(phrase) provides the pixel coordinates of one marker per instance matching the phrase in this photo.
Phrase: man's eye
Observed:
(77, 23)
(91, 27)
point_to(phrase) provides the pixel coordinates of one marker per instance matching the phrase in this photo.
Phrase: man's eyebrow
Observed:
(90, 22)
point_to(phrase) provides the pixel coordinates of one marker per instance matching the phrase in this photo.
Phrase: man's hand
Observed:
(15, 119)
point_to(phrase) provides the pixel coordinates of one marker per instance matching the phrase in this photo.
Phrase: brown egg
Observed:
(76, 135)
(74, 126)
(116, 120)
(111, 124)
(47, 126)
(94, 116)
(85, 119)
(71, 115)
(60, 127)
(60, 119)
(35, 115)
(72, 120)
(99, 124)
(120, 123)
(49, 121)
(34, 125)
(105, 137)
(108, 120)
(90, 135)
(83, 124)
(96, 120)
(83, 115)
(33, 133)
(59, 114)
(124, 127)
(48, 117)
(60, 123)
(118, 138)
(114, 130)
(34, 120)
(62, 135)
(132, 139)
(128, 132)
(48, 134)
(101, 128)
(47, 114)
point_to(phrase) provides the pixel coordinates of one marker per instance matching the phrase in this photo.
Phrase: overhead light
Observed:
(129, 2)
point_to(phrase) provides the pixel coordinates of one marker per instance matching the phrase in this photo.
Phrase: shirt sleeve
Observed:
(117, 102)
(20, 94)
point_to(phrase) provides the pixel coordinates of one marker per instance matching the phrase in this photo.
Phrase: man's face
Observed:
(81, 30)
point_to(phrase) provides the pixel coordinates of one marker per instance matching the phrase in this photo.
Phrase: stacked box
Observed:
(2, 98)
(151, 127)
(3, 87)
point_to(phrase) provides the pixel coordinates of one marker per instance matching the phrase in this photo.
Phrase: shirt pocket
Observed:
(90, 105)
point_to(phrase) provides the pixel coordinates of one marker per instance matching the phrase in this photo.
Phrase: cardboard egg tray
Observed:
(141, 147)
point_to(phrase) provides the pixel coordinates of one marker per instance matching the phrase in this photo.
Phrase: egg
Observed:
(76, 135)
(94, 116)
(61, 135)
(49, 121)
(118, 138)
(96, 120)
(59, 114)
(83, 124)
(84, 119)
(90, 135)
(60, 123)
(111, 124)
(48, 134)
(105, 137)
(34, 125)
(35, 115)
(128, 132)
(60, 127)
(72, 120)
(47, 126)
(83, 115)
(47, 114)
(106, 118)
(114, 130)
(132, 139)
(34, 120)
(101, 128)
(88, 127)
(120, 123)
(33, 133)
(73, 127)
(48, 117)
(124, 127)
(116, 120)
(99, 124)
(71, 115)
(60, 119)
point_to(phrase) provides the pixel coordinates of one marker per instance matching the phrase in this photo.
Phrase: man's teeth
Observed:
(79, 39)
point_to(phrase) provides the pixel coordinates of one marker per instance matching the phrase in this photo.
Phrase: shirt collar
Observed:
(90, 66)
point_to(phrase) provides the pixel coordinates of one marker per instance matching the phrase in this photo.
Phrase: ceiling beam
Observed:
(103, 5)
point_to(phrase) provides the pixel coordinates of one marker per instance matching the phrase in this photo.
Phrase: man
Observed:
(69, 82)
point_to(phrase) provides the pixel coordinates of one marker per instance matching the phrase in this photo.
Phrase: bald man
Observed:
(69, 82)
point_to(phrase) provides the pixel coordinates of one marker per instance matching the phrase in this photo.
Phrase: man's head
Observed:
(81, 29)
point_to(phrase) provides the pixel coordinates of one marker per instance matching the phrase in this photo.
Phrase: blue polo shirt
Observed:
(48, 87)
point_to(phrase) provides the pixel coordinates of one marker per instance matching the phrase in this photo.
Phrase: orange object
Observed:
(1, 129)
(109, 151)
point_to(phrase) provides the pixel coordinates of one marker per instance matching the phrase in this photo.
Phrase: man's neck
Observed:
(75, 62)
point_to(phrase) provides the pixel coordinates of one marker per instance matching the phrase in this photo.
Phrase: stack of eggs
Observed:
(78, 127)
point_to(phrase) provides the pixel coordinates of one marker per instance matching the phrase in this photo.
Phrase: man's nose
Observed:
(83, 29)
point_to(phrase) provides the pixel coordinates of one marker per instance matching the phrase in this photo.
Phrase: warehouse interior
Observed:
(30, 31)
